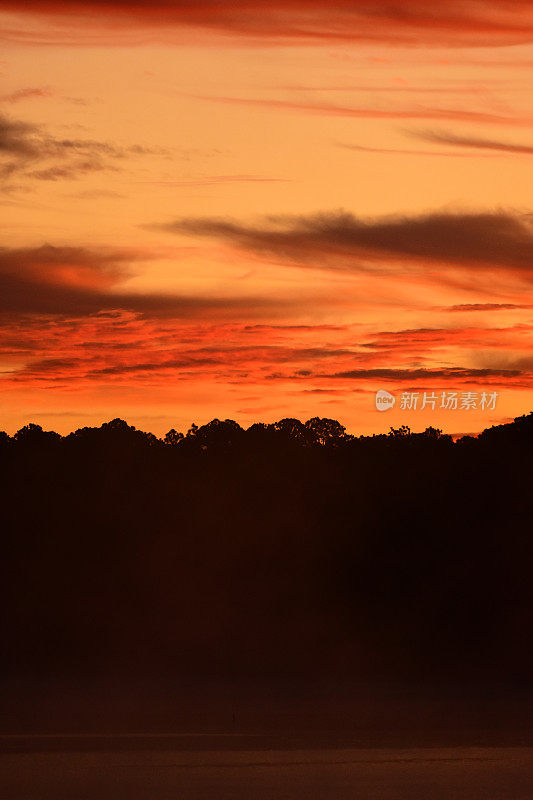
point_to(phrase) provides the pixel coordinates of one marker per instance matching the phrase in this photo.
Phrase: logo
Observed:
(384, 400)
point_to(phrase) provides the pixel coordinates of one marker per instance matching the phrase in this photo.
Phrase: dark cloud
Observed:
(472, 142)
(320, 327)
(413, 337)
(78, 281)
(226, 357)
(486, 307)
(517, 373)
(485, 22)
(340, 240)
(74, 170)
(524, 363)
(16, 138)
(28, 151)
(279, 353)
(183, 362)
(451, 373)
(52, 365)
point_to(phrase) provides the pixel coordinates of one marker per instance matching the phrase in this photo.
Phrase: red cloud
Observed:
(120, 348)
(409, 21)
(79, 282)
(418, 113)
(25, 94)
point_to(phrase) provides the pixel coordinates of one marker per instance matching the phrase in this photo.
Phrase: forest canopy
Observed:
(288, 548)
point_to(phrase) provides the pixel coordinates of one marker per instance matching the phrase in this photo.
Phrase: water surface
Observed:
(251, 768)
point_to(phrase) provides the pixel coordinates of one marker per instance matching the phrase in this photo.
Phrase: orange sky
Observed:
(255, 211)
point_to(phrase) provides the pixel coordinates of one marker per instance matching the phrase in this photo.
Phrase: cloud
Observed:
(16, 137)
(25, 94)
(341, 241)
(97, 194)
(472, 142)
(510, 360)
(140, 367)
(214, 180)
(486, 22)
(417, 113)
(399, 87)
(486, 307)
(128, 348)
(320, 328)
(28, 151)
(398, 152)
(449, 374)
(424, 343)
(415, 378)
(122, 347)
(74, 281)
(74, 170)
(228, 358)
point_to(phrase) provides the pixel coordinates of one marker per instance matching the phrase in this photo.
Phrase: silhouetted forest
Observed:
(290, 549)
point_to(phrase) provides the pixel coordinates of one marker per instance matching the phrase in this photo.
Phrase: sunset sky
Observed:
(258, 210)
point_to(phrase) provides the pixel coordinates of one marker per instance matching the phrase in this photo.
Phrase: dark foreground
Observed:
(287, 581)
(285, 550)
(181, 768)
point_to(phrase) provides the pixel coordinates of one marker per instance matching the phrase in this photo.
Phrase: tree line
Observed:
(285, 549)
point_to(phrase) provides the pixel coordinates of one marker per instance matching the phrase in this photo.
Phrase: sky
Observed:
(254, 210)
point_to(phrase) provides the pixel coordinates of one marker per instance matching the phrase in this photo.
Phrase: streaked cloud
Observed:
(487, 307)
(26, 94)
(405, 152)
(472, 142)
(28, 151)
(497, 240)
(424, 374)
(384, 113)
(419, 341)
(487, 22)
(76, 282)
(216, 180)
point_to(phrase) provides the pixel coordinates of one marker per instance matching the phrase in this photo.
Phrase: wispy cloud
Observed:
(404, 152)
(449, 373)
(28, 151)
(496, 22)
(472, 142)
(26, 94)
(215, 180)
(427, 342)
(122, 346)
(359, 112)
(436, 377)
(487, 307)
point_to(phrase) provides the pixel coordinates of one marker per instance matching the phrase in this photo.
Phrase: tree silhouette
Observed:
(326, 431)
(173, 437)
(287, 548)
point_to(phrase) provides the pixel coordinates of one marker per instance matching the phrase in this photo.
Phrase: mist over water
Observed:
(274, 774)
